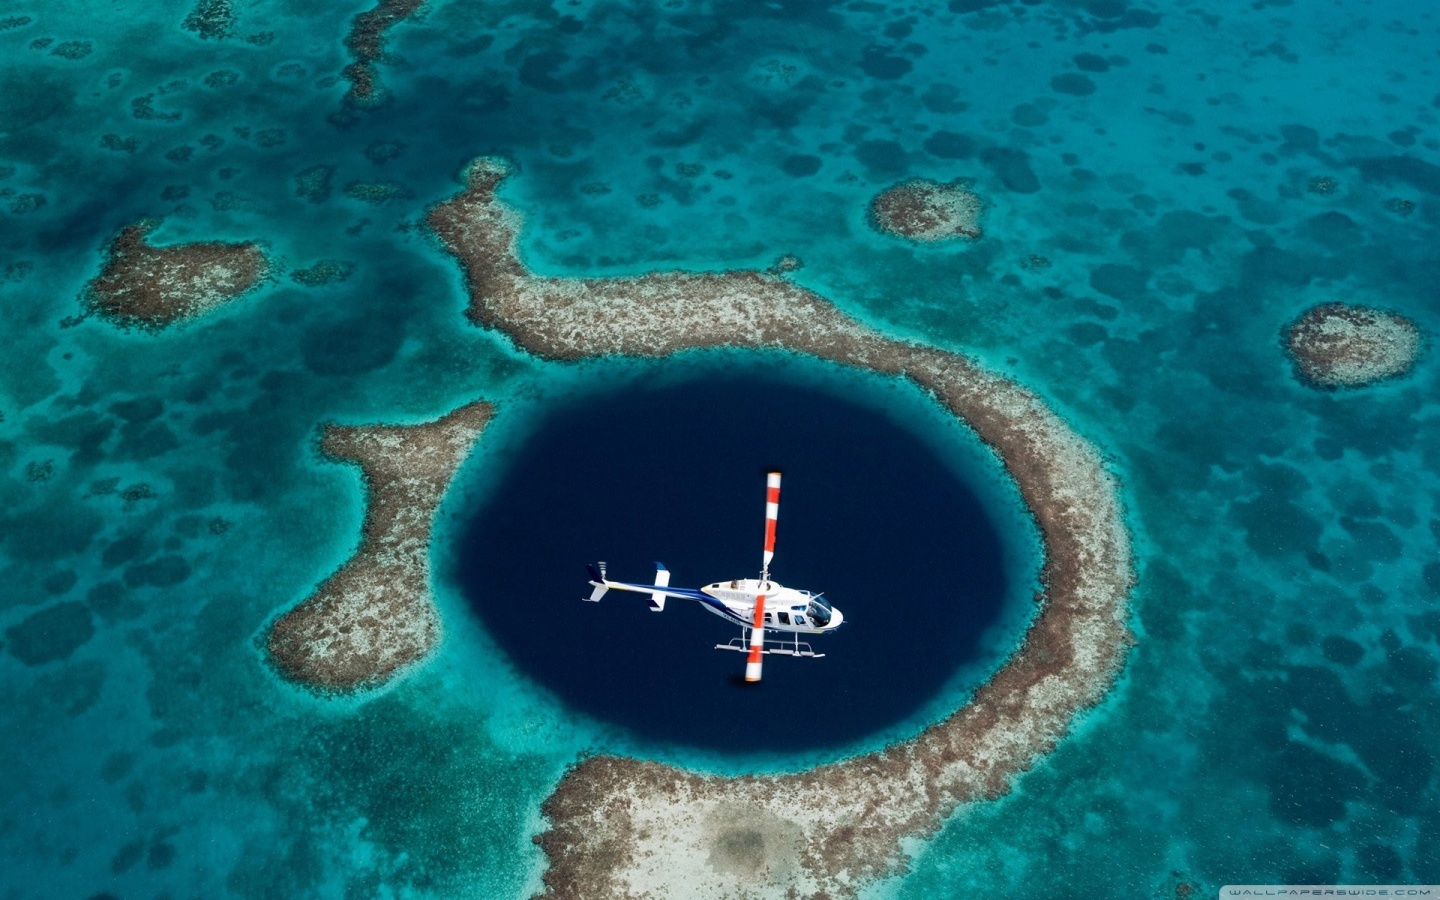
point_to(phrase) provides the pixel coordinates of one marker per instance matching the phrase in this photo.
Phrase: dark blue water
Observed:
(869, 514)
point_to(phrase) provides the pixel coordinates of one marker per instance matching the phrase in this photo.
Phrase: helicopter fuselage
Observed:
(786, 609)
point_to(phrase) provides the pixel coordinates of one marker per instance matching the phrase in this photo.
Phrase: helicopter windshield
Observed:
(819, 611)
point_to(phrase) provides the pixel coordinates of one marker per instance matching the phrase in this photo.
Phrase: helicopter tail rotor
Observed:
(597, 581)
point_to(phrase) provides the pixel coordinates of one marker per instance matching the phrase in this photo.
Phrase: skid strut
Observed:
(791, 648)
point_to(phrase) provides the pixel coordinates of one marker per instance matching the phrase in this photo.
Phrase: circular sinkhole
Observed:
(889, 506)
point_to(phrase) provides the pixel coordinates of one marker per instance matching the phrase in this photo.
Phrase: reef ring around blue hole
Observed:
(671, 469)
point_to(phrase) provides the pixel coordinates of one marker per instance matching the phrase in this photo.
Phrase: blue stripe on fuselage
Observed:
(689, 594)
(721, 608)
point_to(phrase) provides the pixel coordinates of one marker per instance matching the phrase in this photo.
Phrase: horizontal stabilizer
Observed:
(662, 579)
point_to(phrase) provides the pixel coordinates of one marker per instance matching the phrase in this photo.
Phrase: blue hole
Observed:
(871, 513)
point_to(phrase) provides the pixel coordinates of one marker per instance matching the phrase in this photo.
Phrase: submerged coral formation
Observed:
(211, 19)
(326, 271)
(623, 827)
(149, 287)
(1335, 345)
(375, 614)
(366, 42)
(927, 211)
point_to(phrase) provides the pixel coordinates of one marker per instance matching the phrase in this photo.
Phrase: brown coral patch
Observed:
(375, 614)
(149, 287)
(366, 42)
(1334, 345)
(927, 211)
(631, 828)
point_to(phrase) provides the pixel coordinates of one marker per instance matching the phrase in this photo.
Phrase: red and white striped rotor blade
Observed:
(757, 641)
(772, 511)
(757, 631)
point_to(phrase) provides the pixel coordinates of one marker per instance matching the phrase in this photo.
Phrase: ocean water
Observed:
(1193, 176)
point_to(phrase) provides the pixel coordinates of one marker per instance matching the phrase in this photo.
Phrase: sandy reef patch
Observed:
(149, 287)
(376, 615)
(927, 211)
(1336, 345)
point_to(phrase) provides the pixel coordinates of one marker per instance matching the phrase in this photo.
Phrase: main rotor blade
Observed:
(757, 641)
(757, 631)
(772, 512)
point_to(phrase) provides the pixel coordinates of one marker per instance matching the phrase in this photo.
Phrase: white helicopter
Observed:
(753, 604)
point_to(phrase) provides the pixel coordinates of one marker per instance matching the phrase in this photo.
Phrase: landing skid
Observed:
(794, 648)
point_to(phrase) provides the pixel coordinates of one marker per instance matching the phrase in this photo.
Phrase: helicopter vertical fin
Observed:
(597, 580)
(662, 579)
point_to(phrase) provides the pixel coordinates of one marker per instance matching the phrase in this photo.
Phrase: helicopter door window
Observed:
(799, 619)
(767, 618)
(784, 618)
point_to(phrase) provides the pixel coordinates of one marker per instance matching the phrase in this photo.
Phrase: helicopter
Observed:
(757, 605)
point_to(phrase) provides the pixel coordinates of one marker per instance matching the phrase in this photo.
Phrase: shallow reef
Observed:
(366, 43)
(211, 19)
(375, 614)
(148, 287)
(621, 827)
(324, 272)
(927, 211)
(1336, 345)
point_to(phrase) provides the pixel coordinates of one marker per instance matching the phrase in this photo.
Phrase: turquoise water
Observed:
(162, 499)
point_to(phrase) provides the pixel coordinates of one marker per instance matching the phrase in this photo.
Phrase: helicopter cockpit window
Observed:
(799, 619)
(819, 612)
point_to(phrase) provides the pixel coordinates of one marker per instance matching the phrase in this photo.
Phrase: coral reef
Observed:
(1334, 345)
(149, 287)
(375, 615)
(73, 49)
(326, 271)
(927, 211)
(211, 19)
(314, 183)
(366, 42)
(377, 193)
(622, 827)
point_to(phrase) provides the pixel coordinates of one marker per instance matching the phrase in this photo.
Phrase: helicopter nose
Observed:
(837, 618)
